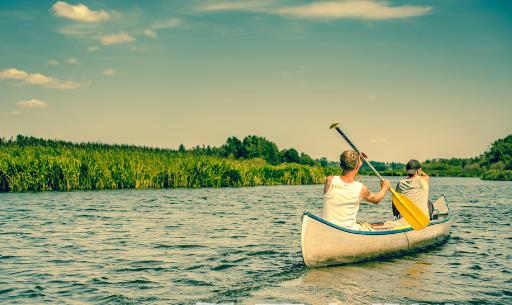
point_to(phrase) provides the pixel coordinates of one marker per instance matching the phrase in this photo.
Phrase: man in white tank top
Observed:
(342, 194)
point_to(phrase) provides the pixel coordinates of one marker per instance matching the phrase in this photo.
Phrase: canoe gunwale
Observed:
(433, 223)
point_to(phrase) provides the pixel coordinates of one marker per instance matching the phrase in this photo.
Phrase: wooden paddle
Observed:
(409, 211)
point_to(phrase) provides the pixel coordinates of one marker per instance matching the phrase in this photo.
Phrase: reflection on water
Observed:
(238, 245)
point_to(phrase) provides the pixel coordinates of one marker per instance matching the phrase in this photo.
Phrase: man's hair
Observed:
(412, 167)
(348, 160)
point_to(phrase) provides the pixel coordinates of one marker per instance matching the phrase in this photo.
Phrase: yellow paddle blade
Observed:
(409, 211)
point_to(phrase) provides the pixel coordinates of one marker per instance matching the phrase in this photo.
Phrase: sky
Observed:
(405, 79)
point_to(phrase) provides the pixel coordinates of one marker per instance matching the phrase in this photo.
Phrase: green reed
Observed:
(63, 166)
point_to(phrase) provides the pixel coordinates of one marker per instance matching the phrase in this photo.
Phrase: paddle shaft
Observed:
(357, 151)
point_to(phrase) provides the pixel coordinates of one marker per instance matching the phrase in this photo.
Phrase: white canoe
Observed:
(324, 243)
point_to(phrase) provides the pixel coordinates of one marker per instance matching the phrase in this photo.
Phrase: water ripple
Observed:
(242, 245)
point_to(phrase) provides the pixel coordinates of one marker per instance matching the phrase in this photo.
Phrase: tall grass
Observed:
(63, 166)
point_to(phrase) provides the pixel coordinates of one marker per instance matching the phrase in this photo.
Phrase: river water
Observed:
(238, 245)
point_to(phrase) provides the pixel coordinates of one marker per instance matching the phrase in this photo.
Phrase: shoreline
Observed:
(216, 188)
(32, 164)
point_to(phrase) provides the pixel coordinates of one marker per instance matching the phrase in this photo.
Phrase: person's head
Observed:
(349, 161)
(412, 167)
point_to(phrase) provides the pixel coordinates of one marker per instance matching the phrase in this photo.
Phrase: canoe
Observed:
(324, 243)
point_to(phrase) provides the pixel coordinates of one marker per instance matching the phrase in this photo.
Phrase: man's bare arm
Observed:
(327, 183)
(375, 197)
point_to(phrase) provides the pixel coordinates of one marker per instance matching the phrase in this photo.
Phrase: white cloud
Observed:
(92, 48)
(108, 71)
(378, 140)
(166, 24)
(150, 33)
(37, 79)
(160, 25)
(116, 38)
(16, 112)
(53, 62)
(33, 103)
(260, 5)
(13, 74)
(72, 61)
(361, 9)
(338, 9)
(78, 12)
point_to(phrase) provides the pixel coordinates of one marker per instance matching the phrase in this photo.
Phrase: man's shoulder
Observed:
(404, 181)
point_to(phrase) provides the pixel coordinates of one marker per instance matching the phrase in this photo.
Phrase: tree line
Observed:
(252, 147)
(493, 164)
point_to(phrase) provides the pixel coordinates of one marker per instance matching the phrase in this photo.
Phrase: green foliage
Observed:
(290, 156)
(260, 147)
(257, 147)
(31, 164)
(494, 164)
(500, 152)
(386, 169)
(494, 174)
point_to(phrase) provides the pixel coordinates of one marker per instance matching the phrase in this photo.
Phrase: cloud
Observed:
(72, 61)
(150, 33)
(116, 38)
(378, 140)
(166, 24)
(236, 6)
(13, 74)
(108, 72)
(52, 62)
(361, 9)
(340, 9)
(160, 25)
(78, 12)
(16, 112)
(33, 103)
(92, 48)
(37, 79)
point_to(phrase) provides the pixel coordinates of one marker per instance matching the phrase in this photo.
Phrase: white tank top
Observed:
(341, 203)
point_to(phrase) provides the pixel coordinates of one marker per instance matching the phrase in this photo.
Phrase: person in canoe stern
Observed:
(415, 187)
(342, 194)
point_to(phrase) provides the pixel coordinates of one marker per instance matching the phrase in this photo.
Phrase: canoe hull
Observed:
(325, 244)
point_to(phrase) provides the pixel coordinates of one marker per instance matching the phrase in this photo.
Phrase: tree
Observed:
(290, 156)
(260, 147)
(324, 162)
(181, 149)
(306, 160)
(234, 148)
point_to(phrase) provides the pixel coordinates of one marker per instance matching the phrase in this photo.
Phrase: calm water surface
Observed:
(182, 246)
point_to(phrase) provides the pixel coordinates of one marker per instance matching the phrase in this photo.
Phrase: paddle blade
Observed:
(410, 211)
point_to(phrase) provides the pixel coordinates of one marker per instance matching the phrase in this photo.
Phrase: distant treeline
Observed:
(494, 164)
(33, 164)
(256, 147)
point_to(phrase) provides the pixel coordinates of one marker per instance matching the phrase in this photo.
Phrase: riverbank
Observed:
(67, 166)
(32, 164)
